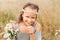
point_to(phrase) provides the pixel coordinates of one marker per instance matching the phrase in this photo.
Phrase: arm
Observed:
(31, 30)
(37, 34)
(32, 36)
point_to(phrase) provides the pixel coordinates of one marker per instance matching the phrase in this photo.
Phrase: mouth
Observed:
(30, 24)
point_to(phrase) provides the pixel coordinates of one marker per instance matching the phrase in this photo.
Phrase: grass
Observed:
(49, 18)
(5, 17)
(49, 27)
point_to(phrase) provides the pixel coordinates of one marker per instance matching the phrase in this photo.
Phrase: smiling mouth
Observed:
(30, 24)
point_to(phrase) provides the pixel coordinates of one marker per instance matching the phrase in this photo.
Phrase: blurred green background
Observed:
(48, 17)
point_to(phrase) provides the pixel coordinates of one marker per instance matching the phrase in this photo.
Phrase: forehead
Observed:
(29, 14)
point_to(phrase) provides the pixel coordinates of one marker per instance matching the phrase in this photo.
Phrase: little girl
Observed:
(29, 28)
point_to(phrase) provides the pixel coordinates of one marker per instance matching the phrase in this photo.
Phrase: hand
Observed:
(30, 29)
(27, 29)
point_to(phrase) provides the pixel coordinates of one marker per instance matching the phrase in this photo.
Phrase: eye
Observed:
(33, 17)
(27, 16)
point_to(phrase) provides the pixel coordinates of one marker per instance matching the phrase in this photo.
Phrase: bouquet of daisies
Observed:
(11, 31)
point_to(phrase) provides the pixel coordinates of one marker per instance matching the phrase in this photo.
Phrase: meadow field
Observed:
(48, 16)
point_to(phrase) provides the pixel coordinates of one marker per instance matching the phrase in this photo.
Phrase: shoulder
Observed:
(38, 26)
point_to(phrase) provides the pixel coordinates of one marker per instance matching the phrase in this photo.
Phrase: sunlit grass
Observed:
(48, 17)
(5, 17)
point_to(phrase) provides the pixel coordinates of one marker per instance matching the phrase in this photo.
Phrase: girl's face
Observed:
(29, 17)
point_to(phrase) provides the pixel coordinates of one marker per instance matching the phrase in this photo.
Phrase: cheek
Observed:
(33, 20)
(24, 19)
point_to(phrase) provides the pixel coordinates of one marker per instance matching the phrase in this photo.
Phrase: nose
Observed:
(29, 20)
